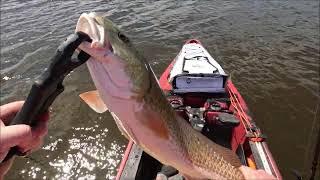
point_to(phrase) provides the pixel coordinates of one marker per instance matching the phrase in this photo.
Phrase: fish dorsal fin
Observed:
(92, 98)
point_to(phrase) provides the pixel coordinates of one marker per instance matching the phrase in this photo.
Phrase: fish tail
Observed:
(209, 157)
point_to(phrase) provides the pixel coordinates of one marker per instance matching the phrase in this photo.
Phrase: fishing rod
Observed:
(49, 85)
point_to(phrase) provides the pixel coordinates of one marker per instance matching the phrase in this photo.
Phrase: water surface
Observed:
(271, 48)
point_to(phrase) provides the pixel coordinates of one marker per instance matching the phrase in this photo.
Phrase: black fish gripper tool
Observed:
(49, 85)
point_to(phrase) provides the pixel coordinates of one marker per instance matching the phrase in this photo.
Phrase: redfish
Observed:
(127, 87)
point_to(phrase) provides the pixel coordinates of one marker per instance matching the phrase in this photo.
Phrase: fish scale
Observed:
(144, 112)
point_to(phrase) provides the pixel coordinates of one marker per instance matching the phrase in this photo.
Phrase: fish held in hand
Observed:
(130, 91)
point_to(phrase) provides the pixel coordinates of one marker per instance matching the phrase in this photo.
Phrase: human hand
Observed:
(252, 174)
(249, 174)
(23, 136)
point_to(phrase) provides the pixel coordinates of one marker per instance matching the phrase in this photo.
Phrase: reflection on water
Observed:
(89, 150)
(271, 48)
(85, 154)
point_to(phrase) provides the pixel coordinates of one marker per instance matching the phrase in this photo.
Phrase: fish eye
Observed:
(123, 37)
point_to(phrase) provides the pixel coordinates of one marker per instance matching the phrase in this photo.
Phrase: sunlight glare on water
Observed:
(270, 47)
(84, 155)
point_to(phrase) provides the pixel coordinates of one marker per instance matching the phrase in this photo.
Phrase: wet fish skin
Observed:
(129, 89)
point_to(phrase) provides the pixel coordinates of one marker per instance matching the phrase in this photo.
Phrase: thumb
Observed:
(11, 136)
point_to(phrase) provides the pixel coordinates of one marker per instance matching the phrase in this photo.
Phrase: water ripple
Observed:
(271, 48)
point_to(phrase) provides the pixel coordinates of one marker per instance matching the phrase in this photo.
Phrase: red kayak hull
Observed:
(246, 135)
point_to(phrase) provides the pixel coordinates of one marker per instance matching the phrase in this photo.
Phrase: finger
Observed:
(4, 167)
(8, 111)
(265, 174)
(3, 155)
(38, 132)
(13, 135)
(247, 172)
(2, 124)
(250, 173)
(244, 171)
(31, 146)
(40, 128)
(161, 176)
(37, 145)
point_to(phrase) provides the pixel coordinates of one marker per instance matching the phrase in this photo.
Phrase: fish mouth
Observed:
(88, 23)
(110, 78)
(109, 67)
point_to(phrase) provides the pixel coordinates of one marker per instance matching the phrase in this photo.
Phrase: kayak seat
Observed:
(198, 64)
(203, 83)
(194, 59)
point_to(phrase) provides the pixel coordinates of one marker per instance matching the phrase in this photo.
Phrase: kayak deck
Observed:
(140, 165)
(219, 113)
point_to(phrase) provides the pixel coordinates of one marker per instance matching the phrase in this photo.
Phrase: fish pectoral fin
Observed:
(92, 98)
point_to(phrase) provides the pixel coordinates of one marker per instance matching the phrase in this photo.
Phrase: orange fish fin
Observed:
(92, 98)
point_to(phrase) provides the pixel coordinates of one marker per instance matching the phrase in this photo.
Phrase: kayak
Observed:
(199, 90)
